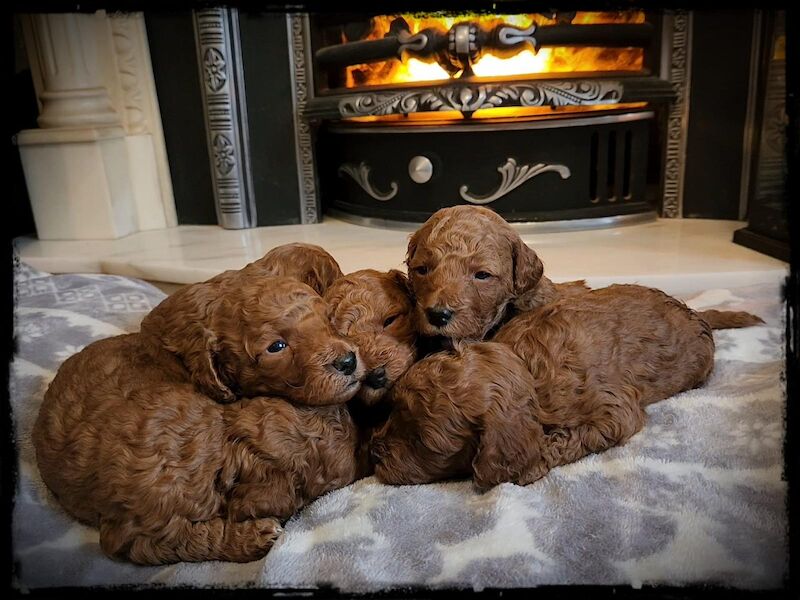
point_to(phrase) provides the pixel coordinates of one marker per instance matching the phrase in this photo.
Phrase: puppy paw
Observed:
(267, 530)
(254, 538)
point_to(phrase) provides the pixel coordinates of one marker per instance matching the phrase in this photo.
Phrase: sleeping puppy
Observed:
(452, 408)
(375, 310)
(308, 263)
(134, 434)
(558, 382)
(470, 271)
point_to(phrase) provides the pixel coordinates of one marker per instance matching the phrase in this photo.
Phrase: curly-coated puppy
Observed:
(557, 383)
(130, 436)
(257, 336)
(469, 271)
(453, 407)
(374, 310)
(308, 263)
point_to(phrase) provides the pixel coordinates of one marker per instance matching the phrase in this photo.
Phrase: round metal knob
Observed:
(420, 169)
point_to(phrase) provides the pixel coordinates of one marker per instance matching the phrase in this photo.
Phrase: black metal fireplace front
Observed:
(585, 167)
(410, 120)
(378, 118)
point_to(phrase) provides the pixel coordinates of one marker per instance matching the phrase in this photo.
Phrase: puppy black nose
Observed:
(376, 378)
(439, 316)
(346, 364)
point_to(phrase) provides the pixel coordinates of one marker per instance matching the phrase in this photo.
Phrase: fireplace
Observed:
(545, 118)
(551, 119)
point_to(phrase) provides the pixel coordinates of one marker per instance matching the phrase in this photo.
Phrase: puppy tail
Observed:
(729, 319)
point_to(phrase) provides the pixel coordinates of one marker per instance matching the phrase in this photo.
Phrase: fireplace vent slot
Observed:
(626, 178)
(611, 170)
(593, 169)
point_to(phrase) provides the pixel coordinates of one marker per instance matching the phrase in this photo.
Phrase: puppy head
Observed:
(374, 310)
(258, 336)
(308, 263)
(465, 265)
(468, 411)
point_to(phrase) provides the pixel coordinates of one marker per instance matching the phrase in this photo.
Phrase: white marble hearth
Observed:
(677, 255)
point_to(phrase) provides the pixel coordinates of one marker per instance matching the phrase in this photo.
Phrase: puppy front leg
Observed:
(278, 498)
(185, 540)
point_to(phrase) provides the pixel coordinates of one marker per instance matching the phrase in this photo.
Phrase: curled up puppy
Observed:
(374, 309)
(178, 442)
(557, 383)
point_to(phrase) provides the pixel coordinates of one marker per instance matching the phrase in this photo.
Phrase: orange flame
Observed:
(547, 60)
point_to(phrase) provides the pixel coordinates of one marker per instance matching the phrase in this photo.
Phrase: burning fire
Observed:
(547, 60)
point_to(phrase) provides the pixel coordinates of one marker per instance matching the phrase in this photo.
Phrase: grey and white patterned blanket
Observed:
(697, 497)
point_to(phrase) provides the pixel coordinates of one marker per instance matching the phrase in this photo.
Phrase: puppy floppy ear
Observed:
(527, 267)
(323, 272)
(199, 353)
(413, 242)
(182, 324)
(401, 279)
(508, 448)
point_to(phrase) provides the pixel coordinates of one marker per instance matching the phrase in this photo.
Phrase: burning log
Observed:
(465, 42)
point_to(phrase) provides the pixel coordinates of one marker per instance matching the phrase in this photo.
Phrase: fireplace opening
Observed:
(542, 117)
(430, 47)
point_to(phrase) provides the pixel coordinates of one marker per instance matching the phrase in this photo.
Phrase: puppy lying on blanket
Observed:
(559, 382)
(470, 271)
(131, 436)
(375, 311)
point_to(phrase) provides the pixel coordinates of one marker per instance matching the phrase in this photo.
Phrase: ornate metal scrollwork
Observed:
(513, 176)
(360, 174)
(302, 91)
(514, 36)
(462, 47)
(225, 107)
(214, 67)
(411, 42)
(680, 78)
(468, 98)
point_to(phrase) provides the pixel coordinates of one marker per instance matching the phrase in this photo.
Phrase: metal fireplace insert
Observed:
(545, 118)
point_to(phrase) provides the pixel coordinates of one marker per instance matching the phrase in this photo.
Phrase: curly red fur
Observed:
(308, 263)
(222, 336)
(130, 438)
(557, 383)
(374, 310)
(456, 243)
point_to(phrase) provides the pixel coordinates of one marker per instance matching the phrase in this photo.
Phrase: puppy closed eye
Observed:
(390, 320)
(483, 275)
(421, 270)
(276, 346)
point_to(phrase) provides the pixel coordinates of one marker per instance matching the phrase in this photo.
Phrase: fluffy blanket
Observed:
(698, 496)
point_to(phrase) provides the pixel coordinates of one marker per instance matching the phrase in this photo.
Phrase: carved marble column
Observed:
(97, 167)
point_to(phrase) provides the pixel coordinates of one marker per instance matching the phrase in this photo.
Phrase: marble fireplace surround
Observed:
(96, 168)
(679, 256)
